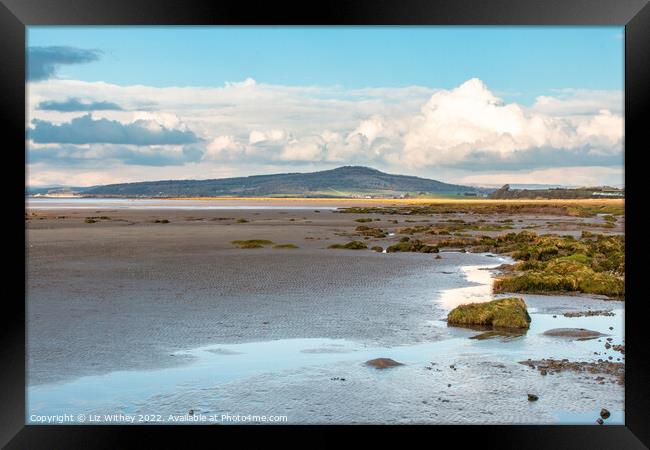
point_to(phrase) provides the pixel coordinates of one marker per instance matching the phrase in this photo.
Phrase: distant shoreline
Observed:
(405, 201)
(329, 200)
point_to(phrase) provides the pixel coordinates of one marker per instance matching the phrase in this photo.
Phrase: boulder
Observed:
(575, 333)
(383, 363)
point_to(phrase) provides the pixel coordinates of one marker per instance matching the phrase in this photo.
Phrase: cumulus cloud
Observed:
(257, 136)
(250, 126)
(572, 102)
(457, 123)
(76, 105)
(43, 62)
(224, 148)
(86, 130)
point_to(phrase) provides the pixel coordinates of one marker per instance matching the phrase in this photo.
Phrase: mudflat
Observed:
(120, 289)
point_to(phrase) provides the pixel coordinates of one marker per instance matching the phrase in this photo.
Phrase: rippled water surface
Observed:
(447, 378)
(52, 203)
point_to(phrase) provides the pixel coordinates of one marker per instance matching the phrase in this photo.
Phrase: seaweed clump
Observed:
(411, 245)
(352, 245)
(592, 265)
(279, 246)
(367, 231)
(252, 243)
(508, 312)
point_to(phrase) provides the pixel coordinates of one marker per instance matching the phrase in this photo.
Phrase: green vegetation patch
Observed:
(411, 245)
(252, 243)
(241, 221)
(594, 264)
(363, 220)
(285, 246)
(353, 245)
(365, 230)
(577, 209)
(508, 312)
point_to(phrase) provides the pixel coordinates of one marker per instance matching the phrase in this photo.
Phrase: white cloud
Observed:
(574, 176)
(311, 149)
(455, 124)
(571, 102)
(256, 136)
(224, 148)
(409, 129)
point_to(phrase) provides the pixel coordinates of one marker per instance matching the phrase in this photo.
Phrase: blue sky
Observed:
(577, 71)
(519, 62)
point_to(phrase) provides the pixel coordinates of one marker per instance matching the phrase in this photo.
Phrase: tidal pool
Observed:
(449, 379)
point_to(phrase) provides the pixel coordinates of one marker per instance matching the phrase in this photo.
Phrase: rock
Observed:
(532, 398)
(383, 363)
(191, 412)
(599, 421)
(543, 372)
(589, 313)
(577, 333)
(604, 413)
(508, 312)
(609, 368)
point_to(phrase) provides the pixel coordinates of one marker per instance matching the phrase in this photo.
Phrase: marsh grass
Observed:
(279, 246)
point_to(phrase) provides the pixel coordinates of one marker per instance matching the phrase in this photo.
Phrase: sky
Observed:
(471, 105)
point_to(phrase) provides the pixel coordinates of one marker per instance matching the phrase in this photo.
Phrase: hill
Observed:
(348, 181)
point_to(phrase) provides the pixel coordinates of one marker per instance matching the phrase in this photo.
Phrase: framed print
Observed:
(368, 213)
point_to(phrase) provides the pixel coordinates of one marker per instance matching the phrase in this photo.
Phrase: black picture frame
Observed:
(15, 15)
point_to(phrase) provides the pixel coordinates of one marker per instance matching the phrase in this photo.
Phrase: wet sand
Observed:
(128, 294)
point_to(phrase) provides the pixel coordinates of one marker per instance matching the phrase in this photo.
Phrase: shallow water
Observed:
(302, 378)
(130, 203)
